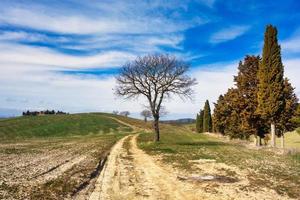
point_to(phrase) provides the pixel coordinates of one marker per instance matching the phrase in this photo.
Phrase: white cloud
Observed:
(292, 71)
(44, 57)
(112, 17)
(213, 80)
(19, 35)
(47, 90)
(43, 89)
(28, 37)
(291, 45)
(137, 43)
(229, 33)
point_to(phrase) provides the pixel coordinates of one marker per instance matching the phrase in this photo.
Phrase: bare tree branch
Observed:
(155, 77)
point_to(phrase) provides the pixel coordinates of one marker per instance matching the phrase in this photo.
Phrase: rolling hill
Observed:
(60, 126)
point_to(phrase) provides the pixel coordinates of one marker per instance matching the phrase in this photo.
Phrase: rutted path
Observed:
(132, 174)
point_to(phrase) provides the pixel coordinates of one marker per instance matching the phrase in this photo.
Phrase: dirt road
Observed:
(131, 174)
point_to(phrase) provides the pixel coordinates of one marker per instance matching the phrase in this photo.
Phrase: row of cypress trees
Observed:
(262, 99)
(204, 119)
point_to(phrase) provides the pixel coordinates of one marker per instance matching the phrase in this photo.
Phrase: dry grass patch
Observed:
(256, 169)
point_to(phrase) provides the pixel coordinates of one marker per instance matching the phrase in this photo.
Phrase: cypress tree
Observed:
(270, 75)
(234, 113)
(247, 86)
(207, 120)
(199, 122)
(233, 120)
(220, 115)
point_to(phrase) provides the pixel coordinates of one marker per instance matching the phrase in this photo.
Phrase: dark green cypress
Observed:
(199, 122)
(220, 115)
(232, 114)
(247, 85)
(207, 120)
(271, 83)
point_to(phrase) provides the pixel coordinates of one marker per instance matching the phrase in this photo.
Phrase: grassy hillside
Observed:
(132, 121)
(58, 126)
(179, 146)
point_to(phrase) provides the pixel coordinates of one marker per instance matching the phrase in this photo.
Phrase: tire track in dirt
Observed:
(58, 170)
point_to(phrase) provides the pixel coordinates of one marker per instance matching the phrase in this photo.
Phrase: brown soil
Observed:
(35, 168)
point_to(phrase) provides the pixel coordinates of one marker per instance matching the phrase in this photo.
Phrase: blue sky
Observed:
(63, 54)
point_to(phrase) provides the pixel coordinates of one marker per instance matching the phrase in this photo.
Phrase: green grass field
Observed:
(179, 145)
(58, 126)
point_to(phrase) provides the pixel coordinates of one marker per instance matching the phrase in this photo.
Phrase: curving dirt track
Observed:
(132, 174)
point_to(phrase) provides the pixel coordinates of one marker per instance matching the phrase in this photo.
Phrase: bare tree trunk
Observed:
(282, 140)
(145, 119)
(273, 139)
(156, 128)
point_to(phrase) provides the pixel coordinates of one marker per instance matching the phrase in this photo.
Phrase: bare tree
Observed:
(115, 112)
(146, 114)
(125, 113)
(155, 77)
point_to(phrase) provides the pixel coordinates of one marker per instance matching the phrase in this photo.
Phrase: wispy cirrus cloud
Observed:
(44, 57)
(30, 37)
(127, 42)
(227, 34)
(115, 17)
(89, 27)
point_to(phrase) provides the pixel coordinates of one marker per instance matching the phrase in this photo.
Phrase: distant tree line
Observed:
(204, 119)
(46, 112)
(179, 121)
(262, 100)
